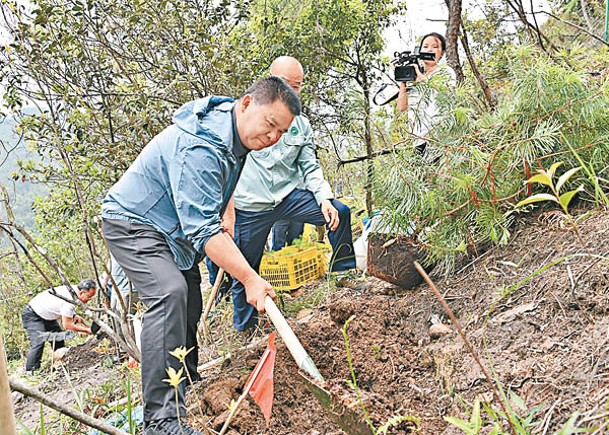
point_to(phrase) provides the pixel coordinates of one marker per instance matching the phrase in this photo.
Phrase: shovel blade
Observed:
(345, 418)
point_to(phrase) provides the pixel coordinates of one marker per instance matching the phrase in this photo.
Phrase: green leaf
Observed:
(518, 401)
(496, 430)
(43, 429)
(476, 421)
(465, 426)
(541, 178)
(565, 177)
(537, 198)
(571, 426)
(553, 169)
(566, 198)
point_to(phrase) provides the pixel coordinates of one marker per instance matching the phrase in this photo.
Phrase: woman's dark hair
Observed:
(440, 38)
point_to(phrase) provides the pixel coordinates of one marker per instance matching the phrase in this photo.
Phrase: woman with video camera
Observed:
(419, 97)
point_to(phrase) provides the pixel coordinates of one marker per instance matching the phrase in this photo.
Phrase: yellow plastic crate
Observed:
(290, 268)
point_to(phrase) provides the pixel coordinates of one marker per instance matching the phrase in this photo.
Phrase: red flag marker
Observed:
(261, 380)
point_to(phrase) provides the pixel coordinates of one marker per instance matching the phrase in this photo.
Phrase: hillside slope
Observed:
(535, 311)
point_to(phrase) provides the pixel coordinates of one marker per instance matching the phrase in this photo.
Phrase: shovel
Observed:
(348, 420)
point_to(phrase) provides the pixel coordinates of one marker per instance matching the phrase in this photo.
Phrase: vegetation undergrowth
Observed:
(548, 112)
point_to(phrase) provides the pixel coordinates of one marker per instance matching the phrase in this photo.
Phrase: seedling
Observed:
(175, 378)
(471, 426)
(546, 178)
(377, 352)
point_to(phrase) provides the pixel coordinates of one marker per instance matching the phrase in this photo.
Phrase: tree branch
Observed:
(368, 157)
(488, 94)
(575, 26)
(60, 407)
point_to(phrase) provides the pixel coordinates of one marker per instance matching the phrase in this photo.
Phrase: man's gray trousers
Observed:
(174, 302)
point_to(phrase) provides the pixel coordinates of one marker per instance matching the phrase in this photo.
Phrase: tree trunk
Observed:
(368, 140)
(7, 417)
(452, 37)
(73, 413)
(488, 94)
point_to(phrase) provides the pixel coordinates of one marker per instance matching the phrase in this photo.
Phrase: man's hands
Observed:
(256, 289)
(221, 249)
(330, 214)
(76, 324)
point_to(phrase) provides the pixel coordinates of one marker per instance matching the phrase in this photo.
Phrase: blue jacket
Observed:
(182, 180)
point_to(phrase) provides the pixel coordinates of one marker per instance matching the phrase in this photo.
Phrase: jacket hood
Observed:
(188, 117)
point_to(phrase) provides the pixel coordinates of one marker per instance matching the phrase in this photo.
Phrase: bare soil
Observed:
(88, 374)
(535, 312)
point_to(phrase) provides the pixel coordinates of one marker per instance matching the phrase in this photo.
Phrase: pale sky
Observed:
(425, 16)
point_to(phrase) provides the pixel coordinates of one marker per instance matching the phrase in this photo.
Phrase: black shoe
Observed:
(169, 426)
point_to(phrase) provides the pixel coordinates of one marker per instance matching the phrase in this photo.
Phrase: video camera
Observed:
(405, 61)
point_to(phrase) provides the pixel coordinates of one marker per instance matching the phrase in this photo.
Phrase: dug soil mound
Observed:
(535, 312)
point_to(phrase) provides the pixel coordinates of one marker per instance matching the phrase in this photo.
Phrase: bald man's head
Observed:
(290, 70)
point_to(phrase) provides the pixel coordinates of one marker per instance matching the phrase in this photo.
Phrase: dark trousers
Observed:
(285, 232)
(252, 230)
(174, 302)
(37, 329)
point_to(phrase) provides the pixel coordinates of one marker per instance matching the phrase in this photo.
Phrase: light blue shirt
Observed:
(269, 175)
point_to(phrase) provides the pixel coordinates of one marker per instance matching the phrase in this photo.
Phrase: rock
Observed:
(59, 354)
(16, 397)
(513, 313)
(305, 315)
(438, 330)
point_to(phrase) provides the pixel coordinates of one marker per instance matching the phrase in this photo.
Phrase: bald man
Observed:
(284, 182)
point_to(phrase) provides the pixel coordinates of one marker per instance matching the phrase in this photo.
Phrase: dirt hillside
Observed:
(535, 312)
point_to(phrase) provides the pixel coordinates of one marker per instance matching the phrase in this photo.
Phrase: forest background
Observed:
(104, 77)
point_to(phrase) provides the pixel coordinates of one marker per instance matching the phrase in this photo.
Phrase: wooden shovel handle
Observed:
(203, 331)
(213, 293)
(300, 355)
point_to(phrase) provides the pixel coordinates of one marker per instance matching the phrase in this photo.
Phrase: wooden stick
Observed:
(210, 302)
(7, 417)
(135, 397)
(246, 391)
(73, 413)
(453, 319)
(218, 361)
(300, 355)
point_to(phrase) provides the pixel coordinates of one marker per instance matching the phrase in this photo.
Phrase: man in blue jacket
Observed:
(164, 215)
